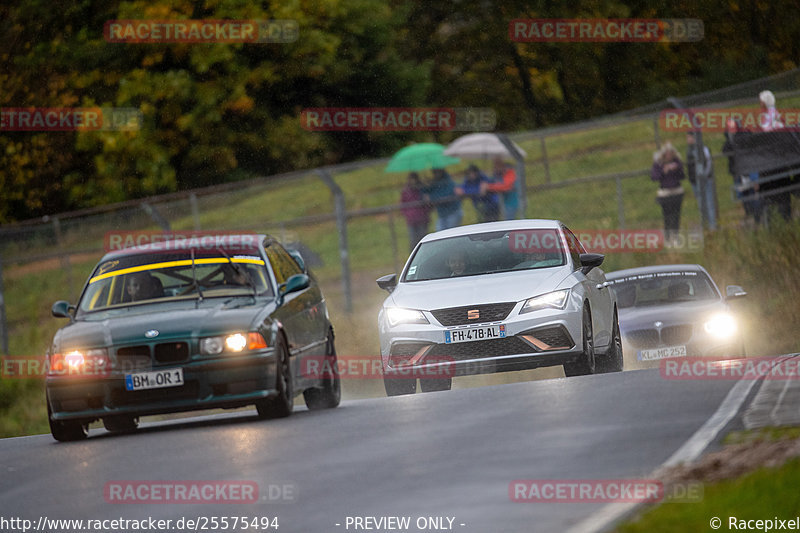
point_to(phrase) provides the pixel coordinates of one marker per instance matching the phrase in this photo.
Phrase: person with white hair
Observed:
(769, 119)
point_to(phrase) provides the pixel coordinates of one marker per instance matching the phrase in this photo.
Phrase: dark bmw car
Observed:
(675, 311)
(189, 324)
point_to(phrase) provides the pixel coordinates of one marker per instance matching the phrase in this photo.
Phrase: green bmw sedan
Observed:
(188, 324)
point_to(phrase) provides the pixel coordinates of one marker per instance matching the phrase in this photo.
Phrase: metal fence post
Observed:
(64, 257)
(3, 320)
(544, 160)
(393, 235)
(195, 211)
(341, 226)
(620, 204)
(656, 133)
(157, 217)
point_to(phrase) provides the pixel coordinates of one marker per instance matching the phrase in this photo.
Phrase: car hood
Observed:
(472, 290)
(697, 312)
(179, 320)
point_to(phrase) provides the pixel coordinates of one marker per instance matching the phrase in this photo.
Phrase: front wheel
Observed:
(435, 384)
(613, 360)
(121, 423)
(330, 394)
(66, 430)
(399, 386)
(282, 405)
(586, 363)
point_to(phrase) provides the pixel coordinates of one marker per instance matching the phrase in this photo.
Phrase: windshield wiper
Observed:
(241, 272)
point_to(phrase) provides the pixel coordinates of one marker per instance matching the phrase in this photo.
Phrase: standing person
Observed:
(418, 216)
(775, 204)
(746, 186)
(707, 168)
(442, 193)
(504, 181)
(770, 119)
(475, 186)
(668, 172)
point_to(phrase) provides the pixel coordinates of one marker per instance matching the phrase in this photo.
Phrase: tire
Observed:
(586, 364)
(613, 360)
(121, 423)
(399, 386)
(282, 405)
(66, 430)
(435, 384)
(330, 394)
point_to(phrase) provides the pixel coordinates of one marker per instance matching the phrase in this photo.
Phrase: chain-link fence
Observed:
(592, 175)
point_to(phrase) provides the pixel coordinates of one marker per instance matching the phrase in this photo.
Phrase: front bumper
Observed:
(211, 383)
(696, 344)
(532, 340)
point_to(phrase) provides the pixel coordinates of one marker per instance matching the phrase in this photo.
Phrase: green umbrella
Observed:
(420, 156)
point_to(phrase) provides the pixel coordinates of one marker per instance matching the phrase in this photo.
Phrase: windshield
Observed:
(149, 278)
(486, 253)
(662, 288)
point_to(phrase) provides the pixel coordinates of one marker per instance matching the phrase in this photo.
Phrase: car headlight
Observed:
(721, 325)
(83, 362)
(233, 343)
(551, 300)
(398, 315)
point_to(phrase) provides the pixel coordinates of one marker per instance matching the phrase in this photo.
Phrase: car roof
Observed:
(654, 269)
(160, 246)
(506, 225)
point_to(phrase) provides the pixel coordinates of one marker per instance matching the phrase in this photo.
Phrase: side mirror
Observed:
(590, 261)
(61, 309)
(298, 258)
(298, 282)
(387, 282)
(734, 291)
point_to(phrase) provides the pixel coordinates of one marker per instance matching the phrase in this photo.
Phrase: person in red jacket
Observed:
(504, 181)
(417, 216)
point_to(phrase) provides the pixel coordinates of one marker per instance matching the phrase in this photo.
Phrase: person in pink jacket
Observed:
(417, 216)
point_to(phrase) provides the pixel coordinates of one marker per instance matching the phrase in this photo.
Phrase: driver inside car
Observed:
(235, 276)
(142, 286)
(457, 262)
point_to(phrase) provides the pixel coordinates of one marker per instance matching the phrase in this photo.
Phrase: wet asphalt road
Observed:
(449, 454)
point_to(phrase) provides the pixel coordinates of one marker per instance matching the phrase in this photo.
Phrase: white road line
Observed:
(772, 415)
(690, 450)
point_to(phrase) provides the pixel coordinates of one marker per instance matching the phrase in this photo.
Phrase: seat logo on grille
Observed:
(151, 333)
(473, 314)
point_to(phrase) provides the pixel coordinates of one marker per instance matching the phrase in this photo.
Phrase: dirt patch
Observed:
(43, 265)
(733, 461)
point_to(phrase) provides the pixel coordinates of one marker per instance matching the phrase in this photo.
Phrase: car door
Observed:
(598, 292)
(303, 311)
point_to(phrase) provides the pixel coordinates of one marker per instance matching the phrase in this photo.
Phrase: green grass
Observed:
(763, 262)
(769, 434)
(764, 494)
